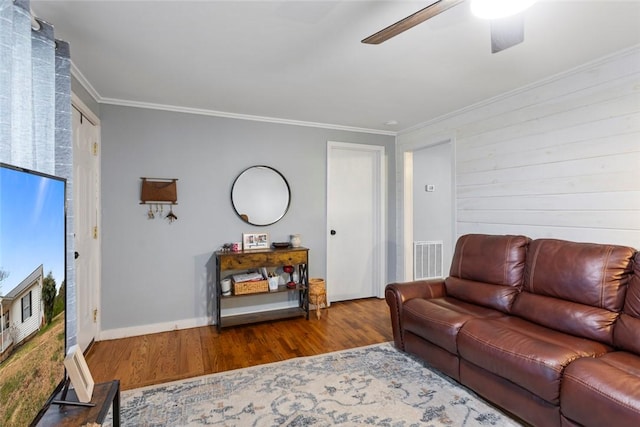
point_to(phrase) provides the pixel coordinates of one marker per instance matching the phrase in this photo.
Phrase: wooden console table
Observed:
(104, 395)
(254, 259)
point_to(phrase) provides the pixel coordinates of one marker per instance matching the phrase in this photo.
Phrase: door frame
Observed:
(380, 214)
(79, 105)
(404, 162)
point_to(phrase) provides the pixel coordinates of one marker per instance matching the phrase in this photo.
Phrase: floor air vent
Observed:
(427, 260)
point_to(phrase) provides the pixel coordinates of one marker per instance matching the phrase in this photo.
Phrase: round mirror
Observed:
(260, 195)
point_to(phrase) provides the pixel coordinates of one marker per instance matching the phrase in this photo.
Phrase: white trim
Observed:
(133, 331)
(206, 112)
(380, 274)
(77, 103)
(564, 74)
(77, 74)
(407, 211)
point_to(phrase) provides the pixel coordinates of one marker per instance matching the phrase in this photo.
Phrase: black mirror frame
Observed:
(286, 183)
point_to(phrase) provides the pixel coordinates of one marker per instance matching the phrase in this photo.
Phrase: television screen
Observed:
(32, 292)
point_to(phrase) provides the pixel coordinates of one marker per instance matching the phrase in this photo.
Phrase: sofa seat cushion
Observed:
(529, 355)
(603, 391)
(438, 320)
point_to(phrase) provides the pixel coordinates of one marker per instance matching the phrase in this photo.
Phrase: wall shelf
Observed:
(159, 191)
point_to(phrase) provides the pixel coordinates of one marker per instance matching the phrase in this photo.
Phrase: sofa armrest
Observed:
(396, 294)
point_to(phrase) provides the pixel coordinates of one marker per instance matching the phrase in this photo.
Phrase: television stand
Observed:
(63, 397)
(63, 412)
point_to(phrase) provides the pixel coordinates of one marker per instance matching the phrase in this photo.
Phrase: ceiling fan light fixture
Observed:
(496, 9)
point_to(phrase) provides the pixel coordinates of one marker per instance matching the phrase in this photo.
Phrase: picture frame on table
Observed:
(252, 241)
(79, 374)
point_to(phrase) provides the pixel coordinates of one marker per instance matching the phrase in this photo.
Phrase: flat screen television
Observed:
(32, 293)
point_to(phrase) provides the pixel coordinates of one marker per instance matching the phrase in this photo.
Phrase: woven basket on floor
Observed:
(316, 286)
(317, 294)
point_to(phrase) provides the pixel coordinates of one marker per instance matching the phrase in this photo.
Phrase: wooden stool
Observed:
(317, 294)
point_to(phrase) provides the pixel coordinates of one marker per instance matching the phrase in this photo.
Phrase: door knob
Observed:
(76, 255)
(333, 232)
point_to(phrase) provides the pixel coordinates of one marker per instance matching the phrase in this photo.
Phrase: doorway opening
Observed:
(427, 203)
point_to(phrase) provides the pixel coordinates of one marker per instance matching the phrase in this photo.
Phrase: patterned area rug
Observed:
(376, 385)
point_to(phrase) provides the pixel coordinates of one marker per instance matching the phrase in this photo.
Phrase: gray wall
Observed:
(154, 274)
(433, 213)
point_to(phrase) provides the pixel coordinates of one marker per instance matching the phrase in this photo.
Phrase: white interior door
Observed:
(355, 220)
(85, 207)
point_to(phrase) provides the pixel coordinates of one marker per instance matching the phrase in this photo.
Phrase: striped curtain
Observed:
(35, 110)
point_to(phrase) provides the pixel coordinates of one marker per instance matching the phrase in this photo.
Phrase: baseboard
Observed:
(133, 331)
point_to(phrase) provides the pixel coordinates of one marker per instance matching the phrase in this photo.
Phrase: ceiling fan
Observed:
(507, 26)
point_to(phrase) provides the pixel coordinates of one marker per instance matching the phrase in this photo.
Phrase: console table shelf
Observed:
(105, 395)
(255, 259)
(264, 316)
(281, 288)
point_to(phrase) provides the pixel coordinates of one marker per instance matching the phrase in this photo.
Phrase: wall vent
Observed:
(427, 260)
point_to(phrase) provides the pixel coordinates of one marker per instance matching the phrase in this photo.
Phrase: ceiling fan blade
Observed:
(411, 21)
(507, 32)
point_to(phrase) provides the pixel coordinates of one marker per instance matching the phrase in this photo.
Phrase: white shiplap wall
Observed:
(560, 158)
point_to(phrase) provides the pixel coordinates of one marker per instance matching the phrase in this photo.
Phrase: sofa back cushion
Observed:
(487, 270)
(577, 288)
(626, 332)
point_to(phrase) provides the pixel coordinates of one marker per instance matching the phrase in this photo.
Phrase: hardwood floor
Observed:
(169, 356)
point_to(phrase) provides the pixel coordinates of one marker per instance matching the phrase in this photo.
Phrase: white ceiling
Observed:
(303, 60)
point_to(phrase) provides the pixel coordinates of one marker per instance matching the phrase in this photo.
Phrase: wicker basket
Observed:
(253, 287)
(317, 294)
(316, 286)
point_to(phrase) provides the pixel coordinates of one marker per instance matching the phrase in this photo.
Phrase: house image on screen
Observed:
(22, 312)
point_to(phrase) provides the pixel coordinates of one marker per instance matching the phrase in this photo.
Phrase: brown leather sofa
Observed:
(547, 329)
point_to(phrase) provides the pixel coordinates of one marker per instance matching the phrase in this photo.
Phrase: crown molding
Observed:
(214, 113)
(633, 50)
(77, 103)
(77, 74)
